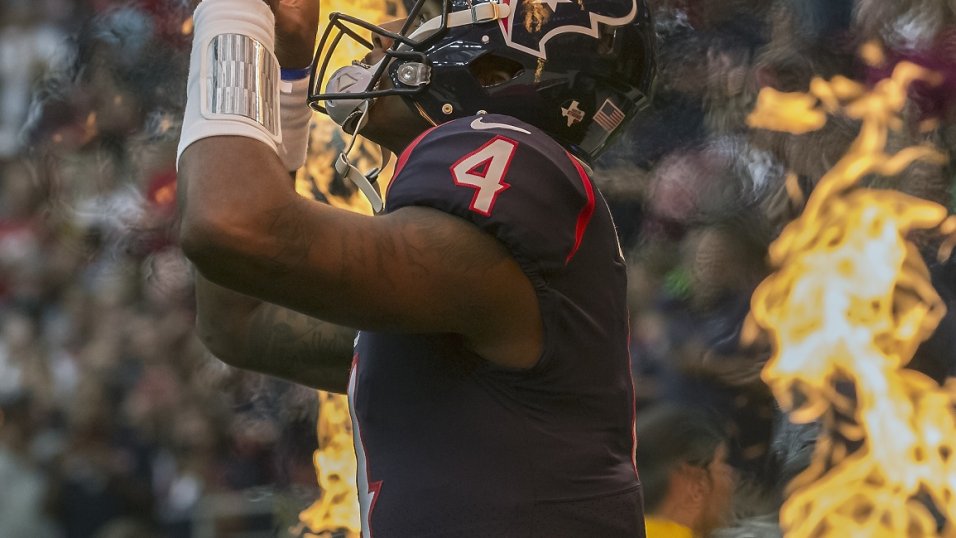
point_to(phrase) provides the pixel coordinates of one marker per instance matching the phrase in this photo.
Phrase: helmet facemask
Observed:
(348, 86)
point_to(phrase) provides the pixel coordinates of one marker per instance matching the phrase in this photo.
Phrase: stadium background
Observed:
(114, 420)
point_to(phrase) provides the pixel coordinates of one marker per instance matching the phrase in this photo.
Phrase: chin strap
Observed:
(366, 182)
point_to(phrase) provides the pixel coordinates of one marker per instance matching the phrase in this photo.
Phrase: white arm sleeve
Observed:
(233, 85)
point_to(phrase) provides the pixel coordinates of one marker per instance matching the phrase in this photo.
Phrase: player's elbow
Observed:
(197, 236)
(210, 242)
(213, 234)
(198, 241)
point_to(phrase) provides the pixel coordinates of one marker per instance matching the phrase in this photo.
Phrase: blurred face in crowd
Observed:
(718, 492)
(699, 494)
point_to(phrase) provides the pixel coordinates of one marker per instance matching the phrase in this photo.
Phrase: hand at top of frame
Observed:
(297, 22)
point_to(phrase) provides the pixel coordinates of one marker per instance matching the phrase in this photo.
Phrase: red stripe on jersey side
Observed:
(403, 158)
(374, 488)
(584, 217)
(630, 384)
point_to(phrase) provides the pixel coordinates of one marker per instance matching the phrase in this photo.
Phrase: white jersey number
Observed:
(484, 170)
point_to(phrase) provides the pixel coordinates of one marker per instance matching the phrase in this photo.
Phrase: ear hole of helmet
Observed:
(491, 70)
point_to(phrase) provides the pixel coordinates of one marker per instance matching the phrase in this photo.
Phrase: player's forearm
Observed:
(235, 197)
(233, 193)
(250, 334)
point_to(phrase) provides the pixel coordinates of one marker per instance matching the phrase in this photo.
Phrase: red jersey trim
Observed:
(584, 217)
(374, 488)
(630, 385)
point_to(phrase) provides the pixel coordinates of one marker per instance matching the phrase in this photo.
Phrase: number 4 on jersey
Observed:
(484, 170)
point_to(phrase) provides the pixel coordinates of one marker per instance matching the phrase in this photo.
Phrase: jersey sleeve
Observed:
(514, 183)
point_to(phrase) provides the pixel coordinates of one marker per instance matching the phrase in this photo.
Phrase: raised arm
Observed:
(246, 332)
(415, 270)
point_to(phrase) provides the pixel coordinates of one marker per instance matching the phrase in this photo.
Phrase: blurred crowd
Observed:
(713, 194)
(115, 422)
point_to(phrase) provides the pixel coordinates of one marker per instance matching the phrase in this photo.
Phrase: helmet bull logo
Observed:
(532, 23)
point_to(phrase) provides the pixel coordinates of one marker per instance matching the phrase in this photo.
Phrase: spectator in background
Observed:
(24, 486)
(688, 484)
(29, 45)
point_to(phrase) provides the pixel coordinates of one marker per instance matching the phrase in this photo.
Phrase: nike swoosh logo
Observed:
(480, 125)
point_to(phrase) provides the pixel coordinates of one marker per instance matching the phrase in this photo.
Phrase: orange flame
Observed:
(337, 509)
(850, 301)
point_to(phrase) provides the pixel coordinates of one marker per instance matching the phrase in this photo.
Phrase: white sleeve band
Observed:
(295, 116)
(233, 85)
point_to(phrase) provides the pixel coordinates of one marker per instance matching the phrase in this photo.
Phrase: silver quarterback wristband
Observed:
(242, 79)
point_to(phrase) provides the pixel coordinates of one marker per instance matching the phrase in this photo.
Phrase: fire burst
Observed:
(848, 305)
(336, 511)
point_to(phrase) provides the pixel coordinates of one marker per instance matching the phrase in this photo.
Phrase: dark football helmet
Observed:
(577, 69)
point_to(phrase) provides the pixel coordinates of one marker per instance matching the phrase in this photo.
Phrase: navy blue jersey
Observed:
(451, 445)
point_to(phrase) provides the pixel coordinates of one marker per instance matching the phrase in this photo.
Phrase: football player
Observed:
(489, 381)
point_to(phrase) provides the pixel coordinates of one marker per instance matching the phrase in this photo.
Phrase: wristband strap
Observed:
(295, 74)
(296, 116)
